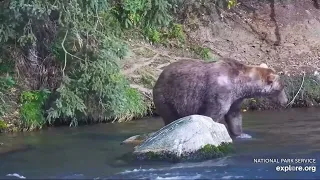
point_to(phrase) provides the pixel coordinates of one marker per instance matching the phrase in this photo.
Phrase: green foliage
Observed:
(164, 35)
(203, 52)
(68, 105)
(131, 104)
(98, 77)
(232, 3)
(6, 81)
(82, 42)
(3, 125)
(153, 17)
(31, 111)
(130, 13)
(147, 80)
(153, 35)
(5, 84)
(177, 32)
(213, 151)
(145, 13)
(6, 66)
(308, 95)
(84, 39)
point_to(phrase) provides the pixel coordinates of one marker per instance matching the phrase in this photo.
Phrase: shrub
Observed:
(5, 84)
(73, 49)
(32, 111)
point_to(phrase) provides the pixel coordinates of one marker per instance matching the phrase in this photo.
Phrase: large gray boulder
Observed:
(192, 137)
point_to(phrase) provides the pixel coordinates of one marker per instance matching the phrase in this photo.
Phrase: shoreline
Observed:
(10, 130)
(302, 94)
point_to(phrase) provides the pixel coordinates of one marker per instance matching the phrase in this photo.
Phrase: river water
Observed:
(94, 151)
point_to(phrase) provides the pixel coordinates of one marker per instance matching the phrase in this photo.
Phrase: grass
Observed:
(3, 125)
(203, 52)
(147, 80)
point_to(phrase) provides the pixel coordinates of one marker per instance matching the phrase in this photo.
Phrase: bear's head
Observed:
(270, 84)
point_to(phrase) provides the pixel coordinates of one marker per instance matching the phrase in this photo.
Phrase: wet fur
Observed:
(214, 89)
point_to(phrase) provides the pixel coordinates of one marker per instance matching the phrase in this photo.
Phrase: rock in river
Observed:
(137, 139)
(194, 137)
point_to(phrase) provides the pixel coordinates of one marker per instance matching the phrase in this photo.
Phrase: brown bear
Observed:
(214, 89)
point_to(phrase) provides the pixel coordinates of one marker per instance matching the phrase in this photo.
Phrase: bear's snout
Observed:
(281, 98)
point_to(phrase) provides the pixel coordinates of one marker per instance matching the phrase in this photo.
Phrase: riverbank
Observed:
(282, 35)
(303, 91)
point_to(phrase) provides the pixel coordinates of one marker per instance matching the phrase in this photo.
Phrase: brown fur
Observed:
(214, 89)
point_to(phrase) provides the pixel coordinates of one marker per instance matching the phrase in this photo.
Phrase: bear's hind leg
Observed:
(216, 109)
(167, 113)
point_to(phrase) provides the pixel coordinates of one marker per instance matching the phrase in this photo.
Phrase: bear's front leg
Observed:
(234, 120)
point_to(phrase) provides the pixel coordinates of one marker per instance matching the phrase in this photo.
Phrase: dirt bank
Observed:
(285, 36)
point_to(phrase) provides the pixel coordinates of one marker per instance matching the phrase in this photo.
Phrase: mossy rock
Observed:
(205, 153)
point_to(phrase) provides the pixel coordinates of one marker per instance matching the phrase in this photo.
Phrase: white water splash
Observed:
(232, 177)
(219, 162)
(137, 170)
(244, 136)
(179, 177)
(16, 175)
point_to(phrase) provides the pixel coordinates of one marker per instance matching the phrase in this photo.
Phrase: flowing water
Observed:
(94, 151)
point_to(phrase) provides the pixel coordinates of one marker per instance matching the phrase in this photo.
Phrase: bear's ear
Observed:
(270, 78)
(263, 65)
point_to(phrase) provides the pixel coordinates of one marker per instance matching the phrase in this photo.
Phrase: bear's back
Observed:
(183, 74)
(195, 70)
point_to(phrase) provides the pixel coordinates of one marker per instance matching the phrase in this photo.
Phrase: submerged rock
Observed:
(13, 147)
(137, 139)
(194, 137)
